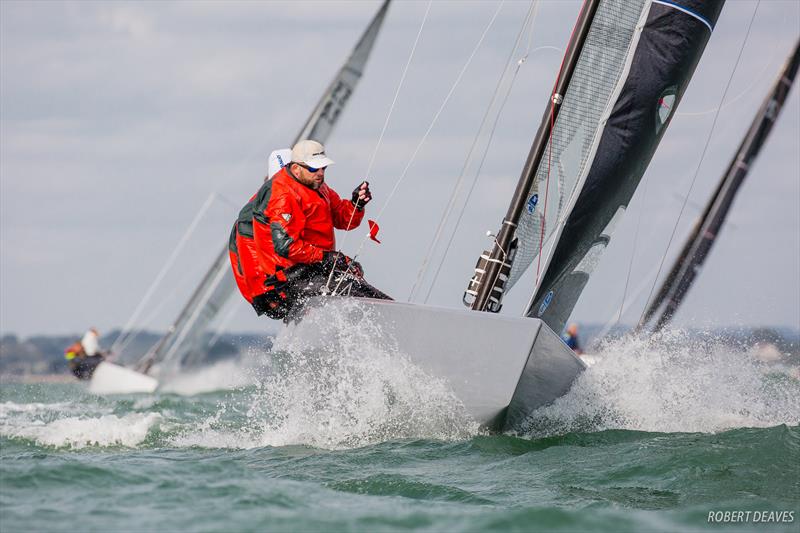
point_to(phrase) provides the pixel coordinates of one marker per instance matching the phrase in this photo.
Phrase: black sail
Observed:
(666, 54)
(688, 264)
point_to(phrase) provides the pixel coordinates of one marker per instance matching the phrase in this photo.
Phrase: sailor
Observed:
(241, 248)
(570, 338)
(283, 246)
(83, 356)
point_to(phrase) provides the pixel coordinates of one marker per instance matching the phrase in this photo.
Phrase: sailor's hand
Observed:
(361, 195)
(342, 263)
(334, 259)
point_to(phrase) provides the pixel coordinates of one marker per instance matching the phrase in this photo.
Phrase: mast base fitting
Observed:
(498, 286)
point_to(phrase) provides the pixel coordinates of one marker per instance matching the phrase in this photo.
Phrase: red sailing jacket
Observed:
(242, 254)
(283, 224)
(296, 223)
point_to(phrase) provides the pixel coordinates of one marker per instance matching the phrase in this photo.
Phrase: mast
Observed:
(183, 340)
(633, 66)
(492, 271)
(684, 271)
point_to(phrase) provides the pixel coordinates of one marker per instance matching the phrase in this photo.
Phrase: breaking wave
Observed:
(343, 386)
(671, 383)
(45, 424)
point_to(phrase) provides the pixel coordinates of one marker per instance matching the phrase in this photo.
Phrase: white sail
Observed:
(186, 340)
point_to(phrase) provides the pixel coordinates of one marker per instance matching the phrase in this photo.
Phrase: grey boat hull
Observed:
(501, 368)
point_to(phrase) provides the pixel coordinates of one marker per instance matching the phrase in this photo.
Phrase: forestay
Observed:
(186, 340)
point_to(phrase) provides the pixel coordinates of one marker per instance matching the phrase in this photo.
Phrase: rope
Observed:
(383, 130)
(439, 112)
(397, 92)
(529, 18)
(702, 157)
(433, 123)
(475, 180)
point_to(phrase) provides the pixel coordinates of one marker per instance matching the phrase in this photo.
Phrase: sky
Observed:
(118, 122)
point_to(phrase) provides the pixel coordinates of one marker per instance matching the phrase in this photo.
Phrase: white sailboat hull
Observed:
(501, 368)
(109, 378)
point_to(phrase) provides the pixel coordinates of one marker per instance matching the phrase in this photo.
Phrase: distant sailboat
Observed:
(687, 266)
(625, 70)
(185, 341)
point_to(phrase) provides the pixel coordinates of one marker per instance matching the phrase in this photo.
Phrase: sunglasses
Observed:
(310, 169)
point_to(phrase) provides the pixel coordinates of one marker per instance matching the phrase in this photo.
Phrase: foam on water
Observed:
(356, 390)
(670, 383)
(46, 424)
(225, 375)
(213, 433)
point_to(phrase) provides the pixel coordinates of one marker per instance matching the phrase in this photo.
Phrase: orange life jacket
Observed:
(74, 350)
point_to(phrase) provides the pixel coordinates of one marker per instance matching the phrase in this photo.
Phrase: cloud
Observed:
(118, 119)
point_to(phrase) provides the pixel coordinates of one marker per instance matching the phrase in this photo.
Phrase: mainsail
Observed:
(625, 70)
(185, 340)
(688, 264)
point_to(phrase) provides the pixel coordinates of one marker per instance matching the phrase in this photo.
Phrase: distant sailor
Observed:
(84, 355)
(570, 337)
(282, 246)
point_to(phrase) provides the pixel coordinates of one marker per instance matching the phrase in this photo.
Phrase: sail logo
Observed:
(664, 108)
(546, 302)
(532, 201)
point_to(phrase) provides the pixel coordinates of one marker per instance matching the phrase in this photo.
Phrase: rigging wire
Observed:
(399, 87)
(759, 78)
(192, 318)
(386, 124)
(430, 128)
(633, 253)
(459, 182)
(222, 325)
(529, 20)
(164, 269)
(475, 181)
(190, 276)
(702, 157)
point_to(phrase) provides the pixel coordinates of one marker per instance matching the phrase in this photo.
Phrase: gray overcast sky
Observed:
(119, 119)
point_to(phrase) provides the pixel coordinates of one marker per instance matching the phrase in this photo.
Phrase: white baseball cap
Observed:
(310, 153)
(278, 159)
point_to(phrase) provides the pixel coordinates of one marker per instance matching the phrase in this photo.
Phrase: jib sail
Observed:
(626, 68)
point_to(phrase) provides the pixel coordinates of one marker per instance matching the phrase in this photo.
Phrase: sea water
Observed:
(665, 435)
